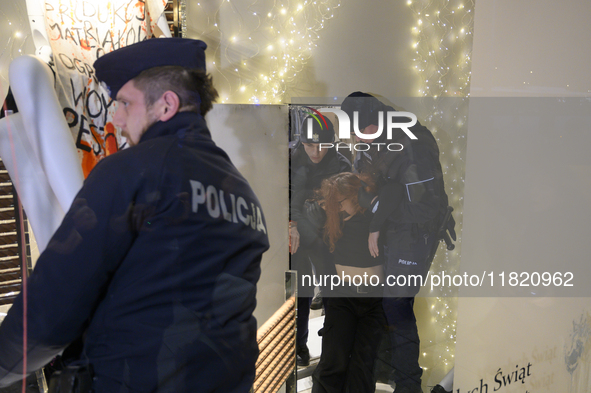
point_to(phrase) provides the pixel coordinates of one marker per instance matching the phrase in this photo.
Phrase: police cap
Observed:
(120, 66)
(321, 132)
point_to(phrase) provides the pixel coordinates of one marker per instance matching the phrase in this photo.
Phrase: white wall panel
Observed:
(255, 138)
(526, 200)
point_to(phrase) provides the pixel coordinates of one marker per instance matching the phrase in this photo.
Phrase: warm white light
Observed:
(443, 74)
(290, 38)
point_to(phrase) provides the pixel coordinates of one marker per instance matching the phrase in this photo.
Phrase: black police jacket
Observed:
(156, 265)
(411, 188)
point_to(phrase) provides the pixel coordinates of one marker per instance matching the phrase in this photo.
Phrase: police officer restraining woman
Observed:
(310, 164)
(412, 204)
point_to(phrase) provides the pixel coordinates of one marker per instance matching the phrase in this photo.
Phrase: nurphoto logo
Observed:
(315, 138)
(345, 126)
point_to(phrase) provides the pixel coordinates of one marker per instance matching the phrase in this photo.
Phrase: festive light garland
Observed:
(443, 46)
(277, 38)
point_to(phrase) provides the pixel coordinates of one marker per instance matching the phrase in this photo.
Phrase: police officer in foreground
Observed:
(412, 206)
(156, 263)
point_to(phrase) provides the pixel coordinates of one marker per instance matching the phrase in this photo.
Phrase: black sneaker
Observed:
(316, 302)
(439, 389)
(303, 356)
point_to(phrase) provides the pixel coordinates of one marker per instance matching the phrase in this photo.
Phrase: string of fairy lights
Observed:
(442, 42)
(260, 48)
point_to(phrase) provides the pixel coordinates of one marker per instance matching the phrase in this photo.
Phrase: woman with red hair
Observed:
(354, 318)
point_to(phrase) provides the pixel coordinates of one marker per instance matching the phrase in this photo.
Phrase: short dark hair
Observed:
(193, 87)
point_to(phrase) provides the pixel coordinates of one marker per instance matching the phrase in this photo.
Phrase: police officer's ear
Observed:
(169, 105)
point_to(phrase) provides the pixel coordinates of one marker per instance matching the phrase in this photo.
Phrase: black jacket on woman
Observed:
(307, 177)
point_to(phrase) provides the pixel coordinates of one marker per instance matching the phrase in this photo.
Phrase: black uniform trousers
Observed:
(302, 261)
(404, 259)
(353, 329)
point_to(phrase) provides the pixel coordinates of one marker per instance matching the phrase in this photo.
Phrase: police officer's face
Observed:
(370, 129)
(133, 117)
(314, 152)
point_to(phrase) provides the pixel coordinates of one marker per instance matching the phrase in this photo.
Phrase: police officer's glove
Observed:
(451, 223)
(315, 214)
(363, 197)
